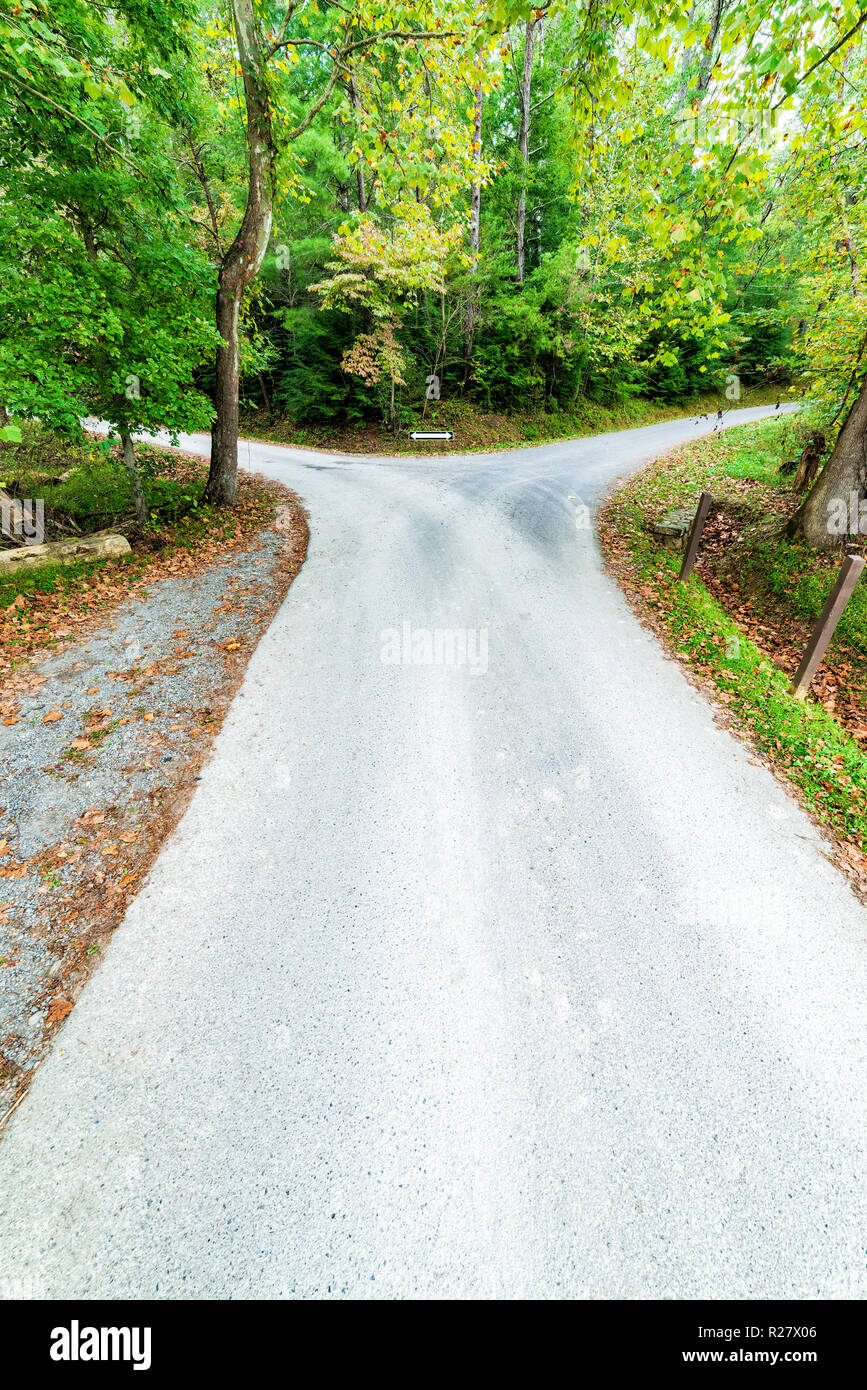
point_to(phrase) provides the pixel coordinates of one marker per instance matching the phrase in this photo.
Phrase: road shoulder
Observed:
(105, 731)
(740, 658)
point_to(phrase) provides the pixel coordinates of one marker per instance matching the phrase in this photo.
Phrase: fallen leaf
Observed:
(80, 743)
(10, 722)
(109, 849)
(52, 716)
(148, 717)
(94, 691)
(58, 1009)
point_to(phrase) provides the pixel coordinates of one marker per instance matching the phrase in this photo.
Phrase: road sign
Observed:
(431, 434)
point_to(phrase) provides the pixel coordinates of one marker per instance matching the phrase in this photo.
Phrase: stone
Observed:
(27, 482)
(673, 528)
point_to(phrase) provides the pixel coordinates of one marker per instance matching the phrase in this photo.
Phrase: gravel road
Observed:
(511, 977)
(83, 795)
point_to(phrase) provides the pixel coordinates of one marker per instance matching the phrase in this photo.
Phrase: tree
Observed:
(241, 262)
(346, 34)
(382, 273)
(525, 93)
(638, 234)
(103, 301)
(475, 227)
(765, 56)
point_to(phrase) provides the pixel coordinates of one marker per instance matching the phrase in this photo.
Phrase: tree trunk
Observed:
(355, 103)
(854, 270)
(475, 224)
(266, 397)
(808, 464)
(141, 507)
(832, 508)
(243, 260)
(524, 144)
(708, 58)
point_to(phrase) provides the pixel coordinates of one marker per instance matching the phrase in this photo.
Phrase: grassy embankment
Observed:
(743, 618)
(38, 604)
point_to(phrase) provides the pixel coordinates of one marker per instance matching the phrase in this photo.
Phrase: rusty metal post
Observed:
(828, 620)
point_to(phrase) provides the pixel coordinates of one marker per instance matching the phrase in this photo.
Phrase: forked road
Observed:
(517, 981)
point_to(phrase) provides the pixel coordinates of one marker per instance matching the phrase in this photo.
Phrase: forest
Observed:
(322, 215)
(433, 656)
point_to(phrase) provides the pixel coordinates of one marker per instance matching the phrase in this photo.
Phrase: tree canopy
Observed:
(322, 207)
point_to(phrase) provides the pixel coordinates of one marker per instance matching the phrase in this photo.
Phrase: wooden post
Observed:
(695, 531)
(828, 620)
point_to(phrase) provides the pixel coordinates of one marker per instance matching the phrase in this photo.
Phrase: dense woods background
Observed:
(339, 213)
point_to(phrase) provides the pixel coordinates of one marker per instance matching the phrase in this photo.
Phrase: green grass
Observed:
(759, 465)
(96, 496)
(59, 579)
(789, 575)
(802, 737)
(824, 762)
(97, 492)
(770, 568)
(752, 452)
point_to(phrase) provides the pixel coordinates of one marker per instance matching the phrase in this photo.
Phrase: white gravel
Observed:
(43, 792)
(523, 983)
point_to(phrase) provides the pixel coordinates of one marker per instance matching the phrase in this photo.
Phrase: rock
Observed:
(673, 528)
(29, 481)
(101, 546)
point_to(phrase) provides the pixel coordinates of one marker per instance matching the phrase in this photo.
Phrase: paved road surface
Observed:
(516, 981)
